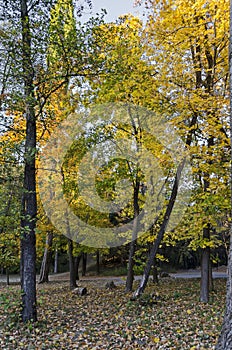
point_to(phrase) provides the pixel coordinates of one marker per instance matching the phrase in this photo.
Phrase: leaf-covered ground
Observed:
(168, 316)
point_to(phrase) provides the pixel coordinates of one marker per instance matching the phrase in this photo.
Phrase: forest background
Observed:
(174, 64)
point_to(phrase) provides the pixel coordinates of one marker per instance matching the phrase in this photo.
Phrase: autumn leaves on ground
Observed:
(168, 316)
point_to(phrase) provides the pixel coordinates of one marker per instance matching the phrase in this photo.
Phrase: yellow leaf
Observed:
(156, 340)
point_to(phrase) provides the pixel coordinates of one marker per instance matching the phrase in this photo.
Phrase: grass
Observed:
(114, 271)
(168, 316)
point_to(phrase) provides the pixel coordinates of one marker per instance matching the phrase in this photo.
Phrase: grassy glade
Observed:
(168, 316)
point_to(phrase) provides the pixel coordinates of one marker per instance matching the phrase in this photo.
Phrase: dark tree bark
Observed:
(72, 270)
(98, 262)
(29, 203)
(132, 249)
(166, 218)
(205, 269)
(161, 232)
(205, 252)
(225, 338)
(136, 185)
(155, 274)
(211, 284)
(7, 277)
(130, 269)
(45, 266)
(77, 261)
(84, 264)
(72, 281)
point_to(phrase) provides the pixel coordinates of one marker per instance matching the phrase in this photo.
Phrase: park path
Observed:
(217, 273)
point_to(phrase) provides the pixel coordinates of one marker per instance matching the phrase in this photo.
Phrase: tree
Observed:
(62, 42)
(29, 201)
(25, 40)
(188, 55)
(225, 338)
(127, 78)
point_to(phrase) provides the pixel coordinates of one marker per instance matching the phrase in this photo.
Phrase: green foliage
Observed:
(174, 65)
(10, 200)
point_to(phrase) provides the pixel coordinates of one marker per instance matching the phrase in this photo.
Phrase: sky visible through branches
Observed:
(114, 9)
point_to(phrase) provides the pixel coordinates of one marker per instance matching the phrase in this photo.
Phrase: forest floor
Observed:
(168, 316)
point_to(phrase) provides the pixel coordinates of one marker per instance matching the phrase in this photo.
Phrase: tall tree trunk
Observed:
(155, 274)
(29, 203)
(205, 268)
(130, 268)
(45, 266)
(225, 338)
(7, 277)
(77, 260)
(211, 283)
(130, 271)
(161, 232)
(72, 271)
(56, 261)
(84, 264)
(98, 262)
(205, 254)
(167, 215)
(71, 265)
